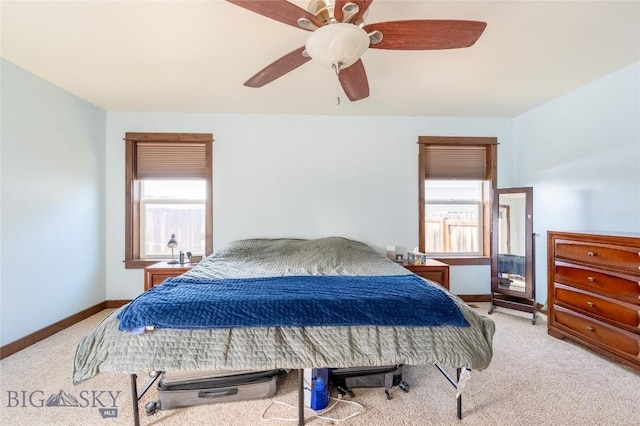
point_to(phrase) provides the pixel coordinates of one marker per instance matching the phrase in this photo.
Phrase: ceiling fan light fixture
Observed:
(337, 44)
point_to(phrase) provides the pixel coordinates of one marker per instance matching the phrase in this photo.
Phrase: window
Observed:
(171, 207)
(453, 216)
(457, 175)
(168, 191)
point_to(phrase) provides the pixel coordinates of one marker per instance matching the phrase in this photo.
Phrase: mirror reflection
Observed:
(511, 237)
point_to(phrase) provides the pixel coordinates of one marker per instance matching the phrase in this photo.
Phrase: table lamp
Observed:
(173, 243)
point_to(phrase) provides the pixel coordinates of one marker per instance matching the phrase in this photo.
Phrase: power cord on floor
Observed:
(317, 414)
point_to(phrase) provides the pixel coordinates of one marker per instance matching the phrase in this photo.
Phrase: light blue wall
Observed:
(300, 176)
(63, 166)
(52, 204)
(581, 154)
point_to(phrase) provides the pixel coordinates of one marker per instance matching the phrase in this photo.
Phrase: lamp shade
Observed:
(337, 45)
(173, 243)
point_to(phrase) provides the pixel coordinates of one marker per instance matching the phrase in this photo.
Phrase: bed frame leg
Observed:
(300, 397)
(455, 385)
(134, 399)
(459, 398)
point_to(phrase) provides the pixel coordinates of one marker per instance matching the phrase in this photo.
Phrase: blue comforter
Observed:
(292, 301)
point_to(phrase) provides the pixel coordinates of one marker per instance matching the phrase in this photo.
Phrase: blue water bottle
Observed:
(320, 395)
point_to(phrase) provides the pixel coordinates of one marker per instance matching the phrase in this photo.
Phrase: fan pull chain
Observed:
(336, 67)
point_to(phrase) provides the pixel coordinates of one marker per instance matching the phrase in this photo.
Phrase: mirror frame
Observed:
(529, 292)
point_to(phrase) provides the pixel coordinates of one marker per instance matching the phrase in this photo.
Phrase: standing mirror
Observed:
(512, 259)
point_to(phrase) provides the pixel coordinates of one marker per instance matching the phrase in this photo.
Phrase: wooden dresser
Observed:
(433, 270)
(594, 292)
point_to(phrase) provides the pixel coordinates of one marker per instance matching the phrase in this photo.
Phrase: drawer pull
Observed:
(591, 279)
(591, 304)
(591, 329)
(591, 253)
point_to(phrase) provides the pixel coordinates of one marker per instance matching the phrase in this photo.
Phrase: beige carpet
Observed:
(534, 379)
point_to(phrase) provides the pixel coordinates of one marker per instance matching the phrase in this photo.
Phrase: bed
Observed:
(463, 347)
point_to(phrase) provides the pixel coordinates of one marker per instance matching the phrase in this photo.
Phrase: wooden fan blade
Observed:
(354, 81)
(337, 9)
(280, 10)
(426, 34)
(278, 68)
(362, 4)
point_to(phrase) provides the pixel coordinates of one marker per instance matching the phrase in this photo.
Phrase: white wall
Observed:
(52, 204)
(581, 154)
(300, 176)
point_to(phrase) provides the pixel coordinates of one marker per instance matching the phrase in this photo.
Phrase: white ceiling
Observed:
(194, 56)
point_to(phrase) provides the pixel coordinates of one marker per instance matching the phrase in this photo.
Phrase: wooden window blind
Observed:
(456, 158)
(170, 160)
(169, 155)
(455, 162)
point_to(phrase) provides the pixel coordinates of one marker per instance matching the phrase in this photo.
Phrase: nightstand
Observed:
(158, 272)
(433, 270)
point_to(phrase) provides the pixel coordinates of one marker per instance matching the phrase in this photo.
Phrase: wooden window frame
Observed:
(132, 258)
(491, 146)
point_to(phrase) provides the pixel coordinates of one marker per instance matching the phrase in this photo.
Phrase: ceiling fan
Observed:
(339, 37)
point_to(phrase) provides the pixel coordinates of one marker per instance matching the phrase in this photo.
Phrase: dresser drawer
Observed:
(432, 270)
(157, 279)
(622, 285)
(157, 273)
(621, 342)
(605, 255)
(624, 315)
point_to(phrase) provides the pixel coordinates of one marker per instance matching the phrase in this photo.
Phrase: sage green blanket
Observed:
(257, 348)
